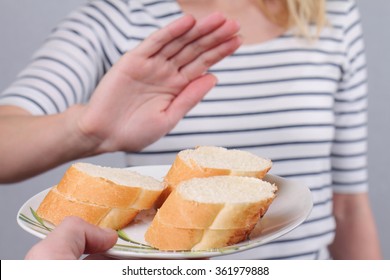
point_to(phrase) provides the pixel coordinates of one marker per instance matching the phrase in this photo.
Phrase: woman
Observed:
(295, 92)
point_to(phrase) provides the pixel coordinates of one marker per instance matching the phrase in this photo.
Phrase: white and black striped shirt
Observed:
(301, 104)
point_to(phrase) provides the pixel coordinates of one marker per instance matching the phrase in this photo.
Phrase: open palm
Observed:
(152, 87)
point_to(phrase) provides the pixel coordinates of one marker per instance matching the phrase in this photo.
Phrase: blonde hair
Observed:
(297, 13)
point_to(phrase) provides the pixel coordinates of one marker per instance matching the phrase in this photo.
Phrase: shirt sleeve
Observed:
(64, 71)
(349, 150)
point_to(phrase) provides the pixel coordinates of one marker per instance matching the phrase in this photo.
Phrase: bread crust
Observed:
(146, 199)
(182, 213)
(55, 207)
(97, 190)
(219, 238)
(164, 237)
(169, 238)
(98, 200)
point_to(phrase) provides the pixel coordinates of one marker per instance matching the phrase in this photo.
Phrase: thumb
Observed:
(72, 238)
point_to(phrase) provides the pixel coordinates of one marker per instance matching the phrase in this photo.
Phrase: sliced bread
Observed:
(169, 238)
(104, 196)
(55, 207)
(225, 207)
(207, 161)
(107, 186)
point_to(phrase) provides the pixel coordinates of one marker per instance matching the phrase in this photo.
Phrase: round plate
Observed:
(289, 209)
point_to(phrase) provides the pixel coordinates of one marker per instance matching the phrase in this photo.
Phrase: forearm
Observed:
(356, 235)
(30, 145)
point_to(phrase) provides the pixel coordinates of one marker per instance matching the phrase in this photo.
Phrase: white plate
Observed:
(290, 208)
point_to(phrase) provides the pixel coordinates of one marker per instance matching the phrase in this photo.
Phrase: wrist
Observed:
(86, 140)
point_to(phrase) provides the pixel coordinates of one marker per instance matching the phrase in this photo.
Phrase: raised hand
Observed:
(153, 86)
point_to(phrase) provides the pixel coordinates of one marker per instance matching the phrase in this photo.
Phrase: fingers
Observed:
(205, 60)
(72, 238)
(200, 29)
(189, 97)
(197, 47)
(184, 39)
(162, 37)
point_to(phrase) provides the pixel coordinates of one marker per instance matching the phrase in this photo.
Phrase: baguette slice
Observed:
(207, 161)
(210, 213)
(219, 202)
(171, 238)
(111, 187)
(55, 207)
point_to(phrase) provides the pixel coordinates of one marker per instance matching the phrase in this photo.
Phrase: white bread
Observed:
(207, 213)
(107, 186)
(207, 161)
(55, 207)
(104, 196)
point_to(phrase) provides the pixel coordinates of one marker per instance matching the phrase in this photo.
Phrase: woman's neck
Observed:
(255, 26)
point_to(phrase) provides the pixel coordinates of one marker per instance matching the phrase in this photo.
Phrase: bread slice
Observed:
(207, 213)
(55, 207)
(111, 187)
(170, 238)
(207, 161)
(103, 196)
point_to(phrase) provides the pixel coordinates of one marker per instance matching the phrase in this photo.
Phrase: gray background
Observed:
(24, 24)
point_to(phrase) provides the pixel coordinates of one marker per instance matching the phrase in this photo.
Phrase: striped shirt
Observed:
(302, 104)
